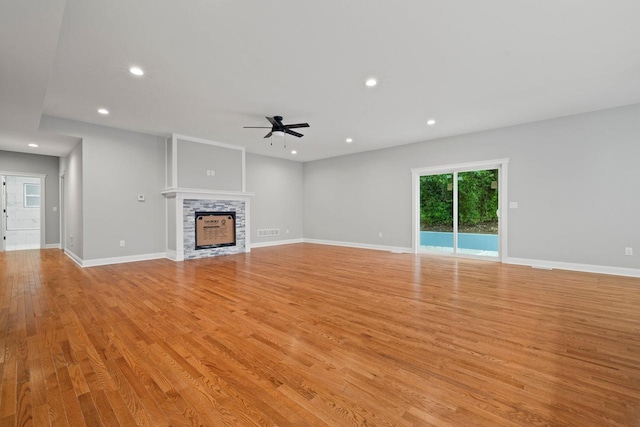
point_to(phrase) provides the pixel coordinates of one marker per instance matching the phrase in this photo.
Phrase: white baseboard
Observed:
(122, 260)
(73, 256)
(172, 255)
(52, 246)
(586, 268)
(395, 249)
(276, 243)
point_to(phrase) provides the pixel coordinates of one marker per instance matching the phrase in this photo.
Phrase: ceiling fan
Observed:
(279, 129)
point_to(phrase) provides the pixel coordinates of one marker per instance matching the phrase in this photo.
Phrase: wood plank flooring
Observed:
(311, 335)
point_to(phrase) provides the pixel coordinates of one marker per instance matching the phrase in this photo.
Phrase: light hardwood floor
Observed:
(311, 335)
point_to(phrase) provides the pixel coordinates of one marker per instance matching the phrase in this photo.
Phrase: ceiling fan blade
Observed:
(297, 125)
(294, 133)
(257, 127)
(274, 122)
(268, 135)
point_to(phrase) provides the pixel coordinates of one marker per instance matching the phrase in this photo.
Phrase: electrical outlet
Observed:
(122, 243)
(628, 251)
(287, 231)
(208, 172)
(513, 205)
(380, 234)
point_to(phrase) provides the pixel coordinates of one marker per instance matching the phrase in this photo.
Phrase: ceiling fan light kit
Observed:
(279, 129)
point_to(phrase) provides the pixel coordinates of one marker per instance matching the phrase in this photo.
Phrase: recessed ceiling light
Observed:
(431, 122)
(294, 152)
(371, 82)
(349, 140)
(33, 145)
(136, 71)
(103, 111)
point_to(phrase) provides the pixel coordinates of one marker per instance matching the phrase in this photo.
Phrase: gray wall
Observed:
(47, 165)
(118, 165)
(576, 180)
(278, 200)
(194, 159)
(72, 209)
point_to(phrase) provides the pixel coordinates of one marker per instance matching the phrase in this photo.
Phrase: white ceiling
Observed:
(214, 66)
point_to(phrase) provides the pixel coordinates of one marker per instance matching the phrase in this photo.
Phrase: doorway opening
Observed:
(22, 202)
(457, 210)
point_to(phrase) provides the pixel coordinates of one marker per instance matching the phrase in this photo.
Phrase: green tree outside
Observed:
(477, 204)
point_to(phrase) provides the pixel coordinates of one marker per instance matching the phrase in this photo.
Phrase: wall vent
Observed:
(267, 232)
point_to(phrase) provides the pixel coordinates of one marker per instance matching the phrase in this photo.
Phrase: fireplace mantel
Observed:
(181, 204)
(201, 193)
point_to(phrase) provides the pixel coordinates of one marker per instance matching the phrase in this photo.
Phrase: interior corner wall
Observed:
(278, 200)
(38, 164)
(576, 180)
(117, 166)
(72, 210)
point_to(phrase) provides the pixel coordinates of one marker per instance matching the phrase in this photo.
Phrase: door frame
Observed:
(43, 209)
(501, 164)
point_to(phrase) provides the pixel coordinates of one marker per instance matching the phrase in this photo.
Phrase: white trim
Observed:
(415, 209)
(174, 161)
(207, 141)
(43, 211)
(179, 227)
(73, 256)
(61, 211)
(247, 224)
(166, 223)
(456, 212)
(172, 255)
(276, 243)
(586, 268)
(503, 191)
(123, 259)
(459, 167)
(395, 249)
(166, 163)
(244, 171)
(52, 246)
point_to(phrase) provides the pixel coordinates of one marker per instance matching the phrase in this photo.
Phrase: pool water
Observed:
(468, 243)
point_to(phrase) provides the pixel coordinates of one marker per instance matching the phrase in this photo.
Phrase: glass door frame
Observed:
(501, 165)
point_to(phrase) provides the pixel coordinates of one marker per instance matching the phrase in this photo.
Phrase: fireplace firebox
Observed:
(215, 229)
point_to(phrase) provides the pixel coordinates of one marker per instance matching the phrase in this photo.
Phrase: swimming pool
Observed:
(470, 241)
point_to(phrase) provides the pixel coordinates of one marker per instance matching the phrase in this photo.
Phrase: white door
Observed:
(22, 202)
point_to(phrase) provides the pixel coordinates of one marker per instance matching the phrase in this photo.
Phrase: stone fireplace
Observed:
(208, 178)
(183, 206)
(191, 208)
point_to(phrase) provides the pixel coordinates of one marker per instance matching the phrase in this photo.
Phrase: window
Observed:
(32, 195)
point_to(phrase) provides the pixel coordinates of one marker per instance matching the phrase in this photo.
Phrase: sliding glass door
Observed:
(458, 212)
(478, 213)
(436, 213)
